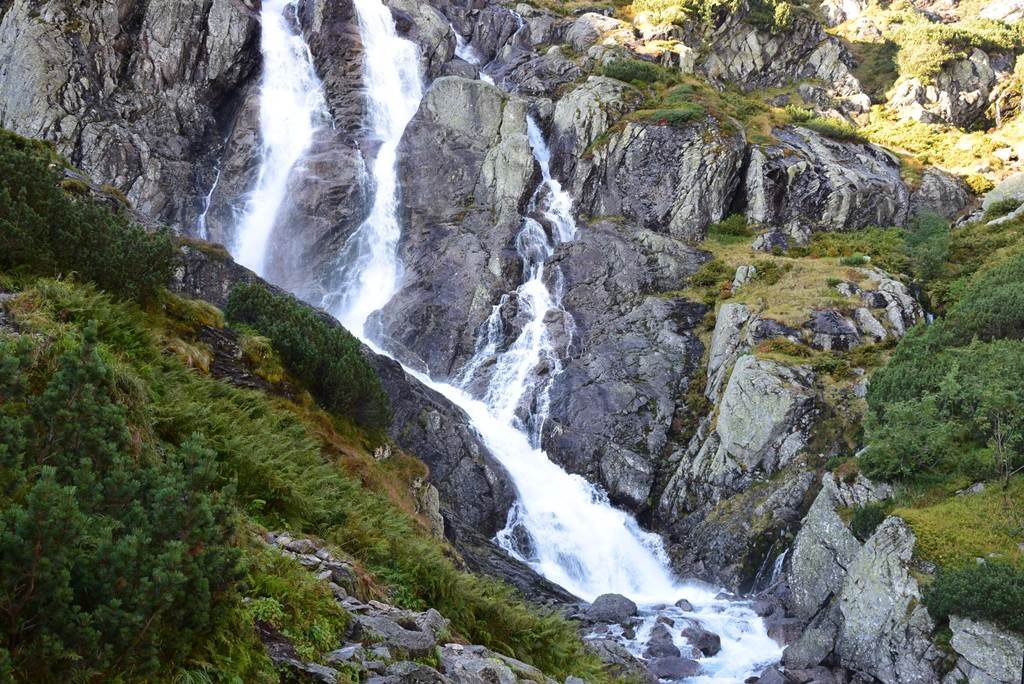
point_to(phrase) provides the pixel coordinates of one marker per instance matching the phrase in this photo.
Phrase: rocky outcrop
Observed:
(661, 177)
(741, 54)
(959, 94)
(585, 114)
(460, 220)
(886, 629)
(124, 97)
(806, 182)
(631, 358)
(988, 654)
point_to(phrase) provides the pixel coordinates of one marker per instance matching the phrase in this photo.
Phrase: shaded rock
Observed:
(784, 631)
(124, 97)
(806, 180)
(771, 241)
(939, 193)
(831, 331)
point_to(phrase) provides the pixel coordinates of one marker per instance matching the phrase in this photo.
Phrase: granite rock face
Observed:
(806, 182)
(123, 97)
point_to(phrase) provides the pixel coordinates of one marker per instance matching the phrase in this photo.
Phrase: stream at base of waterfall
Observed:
(562, 526)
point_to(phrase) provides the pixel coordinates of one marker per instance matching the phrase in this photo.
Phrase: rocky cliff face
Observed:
(125, 97)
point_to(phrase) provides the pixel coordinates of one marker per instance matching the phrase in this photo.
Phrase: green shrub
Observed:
(114, 554)
(45, 230)
(927, 241)
(633, 71)
(771, 272)
(326, 358)
(855, 260)
(1001, 208)
(979, 184)
(991, 591)
(866, 520)
(675, 116)
(711, 274)
(734, 225)
(799, 115)
(925, 47)
(836, 129)
(885, 246)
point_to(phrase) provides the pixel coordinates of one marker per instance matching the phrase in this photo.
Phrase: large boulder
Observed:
(886, 629)
(583, 115)
(138, 95)
(823, 550)
(808, 182)
(939, 193)
(459, 221)
(662, 177)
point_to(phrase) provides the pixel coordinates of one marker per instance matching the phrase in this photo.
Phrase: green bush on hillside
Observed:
(633, 71)
(925, 47)
(47, 231)
(992, 591)
(834, 128)
(114, 551)
(327, 359)
(951, 399)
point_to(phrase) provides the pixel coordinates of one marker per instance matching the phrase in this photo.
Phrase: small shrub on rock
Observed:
(992, 591)
(632, 71)
(866, 520)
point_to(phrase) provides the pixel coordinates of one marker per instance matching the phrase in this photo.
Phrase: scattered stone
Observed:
(660, 644)
(684, 605)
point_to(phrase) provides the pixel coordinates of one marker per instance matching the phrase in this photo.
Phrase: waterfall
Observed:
(370, 269)
(561, 525)
(292, 108)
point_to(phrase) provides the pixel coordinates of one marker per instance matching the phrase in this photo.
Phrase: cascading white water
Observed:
(292, 108)
(577, 539)
(370, 267)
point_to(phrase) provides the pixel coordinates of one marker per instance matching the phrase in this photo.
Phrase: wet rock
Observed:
(772, 676)
(684, 605)
(663, 178)
(806, 180)
(673, 668)
(659, 644)
(987, 652)
(538, 75)
(784, 631)
(612, 608)
(459, 222)
(629, 360)
(705, 641)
